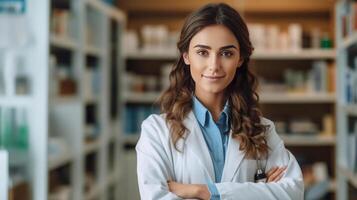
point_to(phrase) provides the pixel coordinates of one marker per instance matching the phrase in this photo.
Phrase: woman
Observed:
(212, 141)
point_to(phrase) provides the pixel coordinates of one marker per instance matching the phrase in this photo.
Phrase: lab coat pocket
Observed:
(194, 172)
(247, 170)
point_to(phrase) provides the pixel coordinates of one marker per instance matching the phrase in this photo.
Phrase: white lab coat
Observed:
(158, 161)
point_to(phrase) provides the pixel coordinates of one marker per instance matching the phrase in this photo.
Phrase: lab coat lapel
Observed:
(233, 160)
(196, 144)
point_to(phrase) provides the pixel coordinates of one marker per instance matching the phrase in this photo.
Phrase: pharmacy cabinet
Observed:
(85, 65)
(23, 96)
(59, 110)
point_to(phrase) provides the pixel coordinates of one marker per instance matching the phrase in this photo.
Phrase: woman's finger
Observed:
(271, 171)
(275, 176)
(279, 177)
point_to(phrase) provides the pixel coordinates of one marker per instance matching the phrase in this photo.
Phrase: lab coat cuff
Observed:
(214, 191)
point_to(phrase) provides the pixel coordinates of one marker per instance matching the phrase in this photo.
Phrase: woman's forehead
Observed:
(214, 36)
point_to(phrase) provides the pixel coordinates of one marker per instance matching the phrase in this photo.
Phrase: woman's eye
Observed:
(226, 53)
(202, 53)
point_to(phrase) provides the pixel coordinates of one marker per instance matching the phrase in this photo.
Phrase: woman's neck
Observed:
(214, 102)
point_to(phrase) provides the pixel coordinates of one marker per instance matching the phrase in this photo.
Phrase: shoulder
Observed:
(154, 130)
(272, 137)
(156, 121)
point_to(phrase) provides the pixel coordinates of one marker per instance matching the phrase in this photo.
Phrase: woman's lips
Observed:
(212, 77)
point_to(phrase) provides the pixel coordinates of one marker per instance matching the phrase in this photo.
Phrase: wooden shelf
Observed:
(297, 55)
(301, 140)
(248, 6)
(297, 98)
(304, 54)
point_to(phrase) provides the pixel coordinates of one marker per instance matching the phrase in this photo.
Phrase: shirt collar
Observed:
(225, 117)
(200, 111)
(202, 114)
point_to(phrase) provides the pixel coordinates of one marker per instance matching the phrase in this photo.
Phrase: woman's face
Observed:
(213, 58)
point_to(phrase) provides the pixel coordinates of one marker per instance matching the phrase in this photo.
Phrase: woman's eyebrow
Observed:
(208, 47)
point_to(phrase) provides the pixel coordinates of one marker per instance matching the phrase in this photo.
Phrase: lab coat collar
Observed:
(198, 146)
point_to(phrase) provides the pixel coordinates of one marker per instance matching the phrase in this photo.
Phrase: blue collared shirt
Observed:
(216, 135)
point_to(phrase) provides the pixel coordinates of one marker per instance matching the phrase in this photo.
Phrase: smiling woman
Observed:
(211, 140)
(213, 63)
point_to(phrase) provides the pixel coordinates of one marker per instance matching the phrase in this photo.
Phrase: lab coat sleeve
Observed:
(153, 163)
(290, 187)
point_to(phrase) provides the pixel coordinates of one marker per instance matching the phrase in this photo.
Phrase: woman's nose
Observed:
(214, 63)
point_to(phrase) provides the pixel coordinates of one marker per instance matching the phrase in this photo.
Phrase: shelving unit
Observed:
(82, 118)
(33, 105)
(346, 37)
(258, 55)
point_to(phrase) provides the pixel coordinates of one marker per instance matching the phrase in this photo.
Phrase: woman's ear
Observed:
(240, 62)
(185, 58)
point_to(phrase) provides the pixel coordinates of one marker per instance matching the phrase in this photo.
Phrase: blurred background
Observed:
(77, 78)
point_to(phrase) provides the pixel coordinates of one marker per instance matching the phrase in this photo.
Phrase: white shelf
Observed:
(151, 97)
(94, 100)
(131, 138)
(298, 55)
(145, 97)
(112, 178)
(349, 175)
(332, 186)
(153, 55)
(58, 161)
(290, 140)
(91, 146)
(297, 97)
(15, 101)
(258, 55)
(63, 42)
(93, 193)
(114, 13)
(64, 100)
(301, 140)
(350, 109)
(349, 40)
(15, 180)
(94, 51)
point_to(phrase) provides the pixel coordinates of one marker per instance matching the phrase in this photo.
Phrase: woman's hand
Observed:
(275, 174)
(200, 191)
(189, 191)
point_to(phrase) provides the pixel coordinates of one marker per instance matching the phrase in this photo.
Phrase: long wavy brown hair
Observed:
(245, 115)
